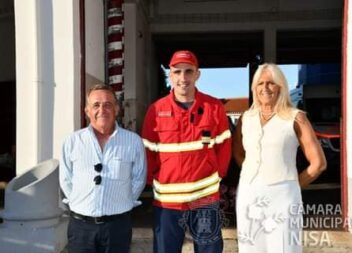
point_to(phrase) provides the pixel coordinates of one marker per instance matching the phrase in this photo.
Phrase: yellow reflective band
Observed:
(180, 147)
(187, 197)
(186, 187)
(220, 138)
(150, 145)
(185, 146)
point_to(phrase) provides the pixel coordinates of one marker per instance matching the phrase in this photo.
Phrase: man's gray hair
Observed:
(101, 86)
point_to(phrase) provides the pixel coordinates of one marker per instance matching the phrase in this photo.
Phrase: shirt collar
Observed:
(173, 99)
(90, 128)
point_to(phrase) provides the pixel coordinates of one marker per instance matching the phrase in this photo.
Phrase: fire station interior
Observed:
(222, 50)
(7, 95)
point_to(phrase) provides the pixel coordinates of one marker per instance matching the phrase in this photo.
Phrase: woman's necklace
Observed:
(266, 116)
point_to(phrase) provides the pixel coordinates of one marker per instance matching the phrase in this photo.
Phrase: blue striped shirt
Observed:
(123, 174)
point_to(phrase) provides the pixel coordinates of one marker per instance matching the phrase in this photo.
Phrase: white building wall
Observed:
(67, 62)
(35, 84)
(131, 62)
(26, 76)
(137, 56)
(130, 50)
(47, 75)
(95, 43)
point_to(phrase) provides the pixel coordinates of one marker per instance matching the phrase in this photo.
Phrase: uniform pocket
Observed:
(167, 124)
(167, 130)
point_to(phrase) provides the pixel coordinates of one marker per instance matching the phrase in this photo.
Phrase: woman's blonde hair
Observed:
(283, 107)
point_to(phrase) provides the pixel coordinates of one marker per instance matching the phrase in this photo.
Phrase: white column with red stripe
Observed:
(115, 46)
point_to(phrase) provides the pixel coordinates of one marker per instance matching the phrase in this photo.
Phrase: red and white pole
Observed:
(115, 40)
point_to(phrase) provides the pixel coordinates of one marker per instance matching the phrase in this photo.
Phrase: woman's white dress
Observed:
(268, 205)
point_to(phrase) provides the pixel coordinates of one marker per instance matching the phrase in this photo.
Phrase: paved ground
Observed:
(329, 242)
(341, 242)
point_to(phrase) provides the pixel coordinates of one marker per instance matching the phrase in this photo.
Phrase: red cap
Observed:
(183, 56)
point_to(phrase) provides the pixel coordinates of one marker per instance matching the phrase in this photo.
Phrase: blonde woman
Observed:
(265, 146)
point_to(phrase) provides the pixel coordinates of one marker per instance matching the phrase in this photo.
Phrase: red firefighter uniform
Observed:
(188, 151)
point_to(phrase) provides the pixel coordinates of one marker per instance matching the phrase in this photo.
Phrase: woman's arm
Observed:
(311, 149)
(237, 147)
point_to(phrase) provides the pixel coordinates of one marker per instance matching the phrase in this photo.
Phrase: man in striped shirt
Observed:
(102, 173)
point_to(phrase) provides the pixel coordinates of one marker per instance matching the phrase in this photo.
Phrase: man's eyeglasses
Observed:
(98, 168)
